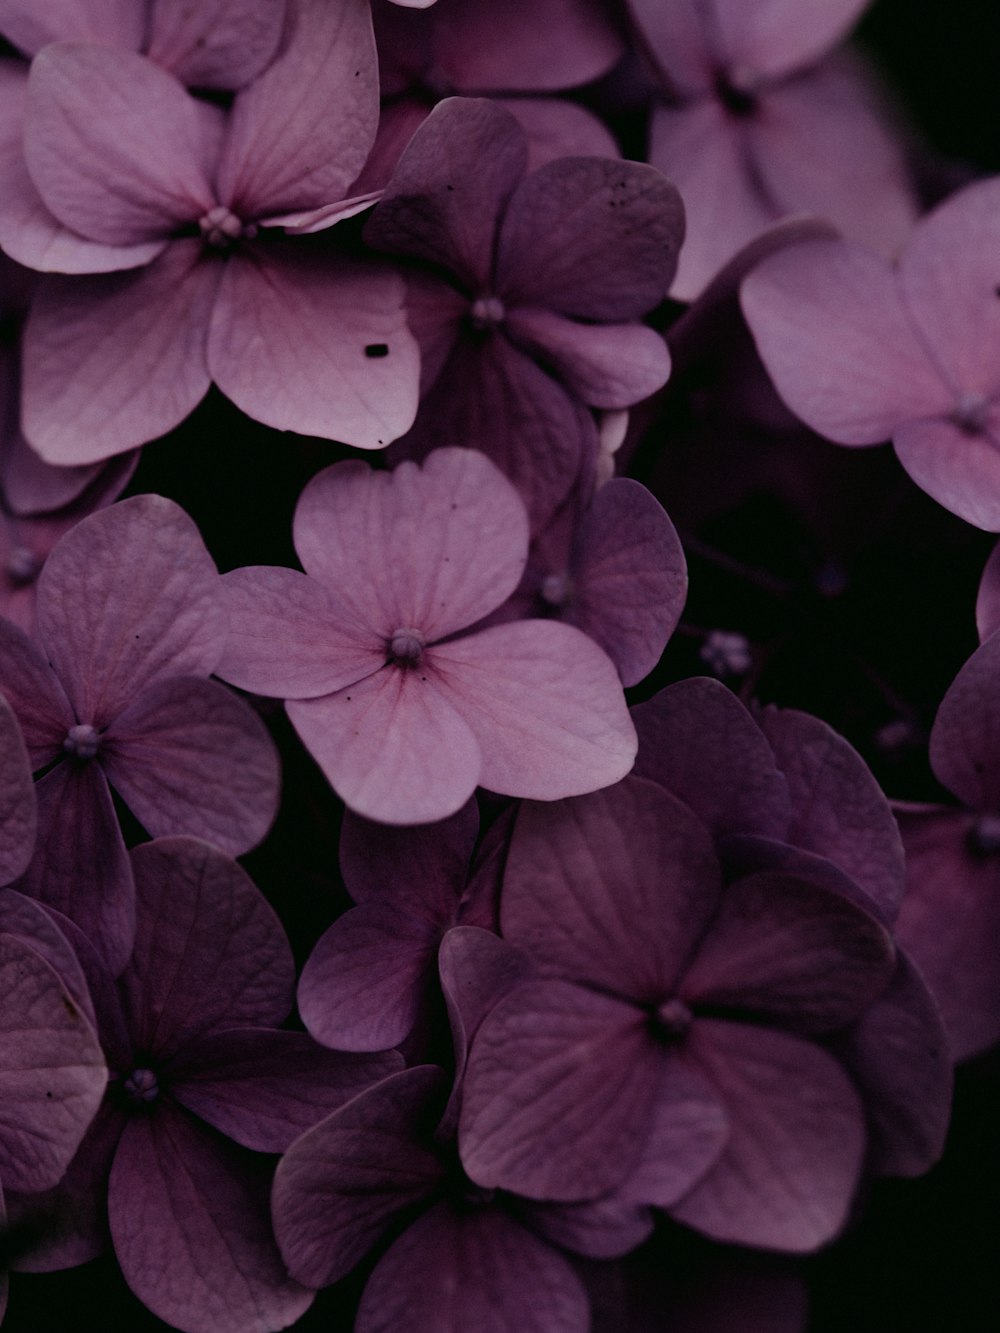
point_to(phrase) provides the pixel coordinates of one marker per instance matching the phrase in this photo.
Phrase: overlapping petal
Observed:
(18, 816)
(219, 46)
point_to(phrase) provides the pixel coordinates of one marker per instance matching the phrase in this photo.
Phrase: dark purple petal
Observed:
(605, 1228)
(189, 1220)
(339, 1186)
(423, 869)
(264, 1088)
(18, 816)
(558, 128)
(189, 756)
(40, 930)
(965, 738)
(118, 23)
(209, 953)
(457, 1269)
(33, 691)
(988, 598)
(219, 46)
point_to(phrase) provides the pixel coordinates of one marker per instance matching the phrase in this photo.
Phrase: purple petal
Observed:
(421, 869)
(308, 340)
(39, 929)
(392, 746)
(209, 952)
(591, 238)
(118, 23)
(221, 46)
(965, 738)
(787, 1175)
(559, 128)
(264, 1088)
(33, 488)
(784, 950)
(114, 145)
(369, 977)
(449, 189)
(988, 597)
(777, 36)
(189, 756)
(698, 741)
(959, 467)
(18, 815)
(606, 1228)
(299, 134)
(545, 705)
(829, 322)
(559, 1092)
(606, 365)
(457, 1269)
(33, 691)
(188, 1214)
(838, 809)
(613, 889)
(351, 524)
(112, 361)
(52, 1072)
(340, 1185)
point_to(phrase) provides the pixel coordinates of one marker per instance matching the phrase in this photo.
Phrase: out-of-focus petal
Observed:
(965, 738)
(299, 134)
(189, 1220)
(988, 597)
(774, 37)
(316, 343)
(223, 45)
(421, 869)
(960, 468)
(18, 817)
(559, 128)
(116, 23)
(113, 360)
(33, 488)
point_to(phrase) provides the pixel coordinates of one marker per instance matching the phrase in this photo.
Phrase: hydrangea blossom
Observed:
(403, 712)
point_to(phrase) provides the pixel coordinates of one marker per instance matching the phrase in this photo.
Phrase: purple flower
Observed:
(545, 277)
(403, 712)
(863, 350)
(18, 816)
(185, 201)
(130, 624)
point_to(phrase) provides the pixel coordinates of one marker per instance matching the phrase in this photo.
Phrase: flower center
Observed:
(970, 412)
(984, 836)
(406, 646)
(220, 227)
(671, 1019)
(487, 312)
(82, 741)
(23, 566)
(141, 1087)
(556, 590)
(735, 90)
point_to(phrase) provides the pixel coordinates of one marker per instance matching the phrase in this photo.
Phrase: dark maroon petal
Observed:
(788, 951)
(965, 738)
(369, 978)
(448, 191)
(788, 1173)
(838, 809)
(898, 1055)
(33, 691)
(52, 1072)
(128, 597)
(339, 1186)
(423, 869)
(299, 134)
(698, 741)
(613, 889)
(264, 1088)
(114, 360)
(209, 953)
(454, 1270)
(219, 46)
(18, 816)
(189, 1220)
(559, 1092)
(189, 756)
(80, 866)
(592, 238)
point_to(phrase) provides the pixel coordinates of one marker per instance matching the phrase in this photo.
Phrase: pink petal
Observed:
(32, 689)
(113, 361)
(422, 869)
(699, 742)
(113, 144)
(570, 219)
(34, 488)
(307, 340)
(221, 46)
(776, 37)
(559, 1092)
(189, 756)
(559, 128)
(456, 1269)
(351, 524)
(613, 889)
(965, 738)
(340, 1185)
(392, 746)
(448, 191)
(189, 1220)
(209, 952)
(958, 467)
(988, 597)
(838, 809)
(128, 597)
(18, 818)
(52, 1072)
(607, 365)
(545, 705)
(788, 1173)
(291, 638)
(117, 23)
(831, 327)
(299, 134)
(369, 978)
(264, 1088)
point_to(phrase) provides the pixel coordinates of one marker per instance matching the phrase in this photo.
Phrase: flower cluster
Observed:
(398, 927)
